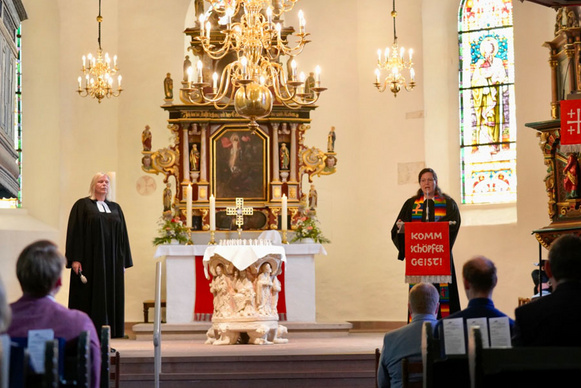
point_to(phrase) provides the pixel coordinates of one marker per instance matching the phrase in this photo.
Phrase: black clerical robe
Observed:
(452, 214)
(99, 241)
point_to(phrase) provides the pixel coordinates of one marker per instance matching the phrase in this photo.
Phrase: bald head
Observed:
(424, 299)
(479, 275)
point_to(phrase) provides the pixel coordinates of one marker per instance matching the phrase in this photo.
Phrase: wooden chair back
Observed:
(440, 370)
(521, 366)
(412, 372)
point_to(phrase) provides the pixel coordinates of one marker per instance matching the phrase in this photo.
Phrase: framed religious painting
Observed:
(239, 160)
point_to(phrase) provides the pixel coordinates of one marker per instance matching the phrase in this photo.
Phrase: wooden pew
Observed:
(440, 370)
(522, 366)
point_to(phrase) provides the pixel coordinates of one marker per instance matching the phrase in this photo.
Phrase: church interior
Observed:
(382, 141)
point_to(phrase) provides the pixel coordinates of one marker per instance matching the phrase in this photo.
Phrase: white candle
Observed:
(119, 81)
(212, 212)
(200, 73)
(190, 72)
(284, 216)
(84, 61)
(293, 70)
(215, 81)
(376, 76)
(189, 206)
(318, 76)
(79, 79)
(412, 74)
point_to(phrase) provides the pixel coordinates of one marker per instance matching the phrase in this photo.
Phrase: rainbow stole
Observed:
(418, 210)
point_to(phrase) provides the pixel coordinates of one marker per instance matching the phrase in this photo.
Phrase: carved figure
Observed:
(219, 288)
(245, 296)
(284, 157)
(168, 87)
(264, 290)
(571, 180)
(559, 21)
(167, 197)
(146, 138)
(276, 288)
(489, 73)
(187, 65)
(310, 84)
(331, 140)
(195, 158)
(572, 20)
(313, 197)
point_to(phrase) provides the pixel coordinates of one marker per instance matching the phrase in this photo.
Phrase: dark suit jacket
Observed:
(553, 320)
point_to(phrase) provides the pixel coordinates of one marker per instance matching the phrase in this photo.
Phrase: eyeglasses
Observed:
(427, 180)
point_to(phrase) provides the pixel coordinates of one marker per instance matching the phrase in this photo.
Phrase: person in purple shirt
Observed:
(39, 268)
(479, 279)
(423, 302)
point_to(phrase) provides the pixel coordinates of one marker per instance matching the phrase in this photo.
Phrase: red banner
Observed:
(570, 122)
(427, 252)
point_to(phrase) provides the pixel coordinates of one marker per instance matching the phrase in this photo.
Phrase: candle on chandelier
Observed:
(84, 59)
(202, 19)
(378, 55)
(412, 74)
(215, 81)
(229, 13)
(79, 82)
(189, 206)
(269, 17)
(119, 82)
(212, 213)
(115, 61)
(278, 28)
(107, 59)
(208, 28)
(302, 22)
(293, 70)
(377, 73)
(200, 73)
(411, 52)
(284, 215)
(401, 51)
(244, 63)
(190, 72)
(386, 53)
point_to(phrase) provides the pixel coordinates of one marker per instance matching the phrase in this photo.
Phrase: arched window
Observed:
(487, 107)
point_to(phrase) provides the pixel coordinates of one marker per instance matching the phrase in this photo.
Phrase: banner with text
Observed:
(427, 252)
(571, 126)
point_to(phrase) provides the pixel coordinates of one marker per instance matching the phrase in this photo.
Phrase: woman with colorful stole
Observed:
(431, 205)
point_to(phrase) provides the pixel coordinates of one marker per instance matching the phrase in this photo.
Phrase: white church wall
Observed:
(375, 133)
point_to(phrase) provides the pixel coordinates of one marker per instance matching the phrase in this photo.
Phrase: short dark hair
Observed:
(39, 267)
(565, 257)
(437, 190)
(423, 298)
(480, 272)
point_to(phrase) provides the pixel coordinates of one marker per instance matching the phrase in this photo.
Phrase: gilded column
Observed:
(275, 156)
(294, 149)
(185, 156)
(203, 153)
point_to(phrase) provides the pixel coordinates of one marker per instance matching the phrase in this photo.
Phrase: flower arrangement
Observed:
(171, 228)
(307, 228)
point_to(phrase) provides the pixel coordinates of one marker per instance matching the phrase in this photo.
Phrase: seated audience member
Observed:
(545, 286)
(5, 315)
(479, 279)
(553, 320)
(39, 268)
(423, 302)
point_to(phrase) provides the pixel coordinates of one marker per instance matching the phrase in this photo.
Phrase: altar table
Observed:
(184, 296)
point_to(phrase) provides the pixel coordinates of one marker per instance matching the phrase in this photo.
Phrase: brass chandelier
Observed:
(393, 63)
(98, 73)
(251, 32)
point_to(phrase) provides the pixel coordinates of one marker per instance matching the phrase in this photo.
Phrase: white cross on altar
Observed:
(239, 211)
(576, 121)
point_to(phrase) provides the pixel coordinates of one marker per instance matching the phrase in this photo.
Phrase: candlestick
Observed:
(189, 206)
(284, 215)
(212, 213)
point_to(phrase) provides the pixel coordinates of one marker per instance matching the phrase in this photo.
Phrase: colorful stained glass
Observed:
(487, 107)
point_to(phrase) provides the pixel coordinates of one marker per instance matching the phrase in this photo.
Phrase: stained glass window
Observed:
(487, 107)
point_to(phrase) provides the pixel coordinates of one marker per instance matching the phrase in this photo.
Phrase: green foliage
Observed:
(307, 228)
(171, 229)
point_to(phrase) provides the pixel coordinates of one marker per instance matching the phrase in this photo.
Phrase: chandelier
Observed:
(393, 63)
(250, 31)
(98, 73)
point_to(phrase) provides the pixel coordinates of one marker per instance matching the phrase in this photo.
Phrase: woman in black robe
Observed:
(98, 248)
(431, 205)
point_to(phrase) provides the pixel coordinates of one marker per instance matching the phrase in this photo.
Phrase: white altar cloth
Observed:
(242, 256)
